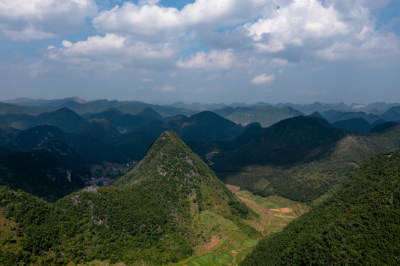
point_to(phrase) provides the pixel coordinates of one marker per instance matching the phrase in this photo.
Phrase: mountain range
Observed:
(198, 184)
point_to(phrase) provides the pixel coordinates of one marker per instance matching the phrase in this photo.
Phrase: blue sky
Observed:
(201, 50)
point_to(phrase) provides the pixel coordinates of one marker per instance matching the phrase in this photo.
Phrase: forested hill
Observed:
(360, 224)
(158, 213)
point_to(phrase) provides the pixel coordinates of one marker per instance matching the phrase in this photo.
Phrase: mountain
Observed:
(204, 126)
(41, 173)
(300, 159)
(149, 112)
(7, 134)
(317, 115)
(34, 137)
(128, 122)
(359, 125)
(333, 116)
(393, 114)
(164, 210)
(265, 115)
(296, 139)
(380, 128)
(102, 130)
(46, 103)
(64, 118)
(359, 224)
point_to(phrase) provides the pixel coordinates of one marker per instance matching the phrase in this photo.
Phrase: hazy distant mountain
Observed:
(359, 125)
(128, 122)
(317, 115)
(316, 107)
(199, 106)
(359, 224)
(333, 116)
(265, 115)
(64, 118)
(393, 114)
(46, 103)
(205, 126)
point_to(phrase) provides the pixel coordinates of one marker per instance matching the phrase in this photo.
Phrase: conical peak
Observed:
(167, 158)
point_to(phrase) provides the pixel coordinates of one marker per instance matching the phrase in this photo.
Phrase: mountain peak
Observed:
(169, 162)
(167, 156)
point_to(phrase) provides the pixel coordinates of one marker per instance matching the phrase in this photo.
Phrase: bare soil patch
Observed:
(233, 188)
(282, 210)
(215, 240)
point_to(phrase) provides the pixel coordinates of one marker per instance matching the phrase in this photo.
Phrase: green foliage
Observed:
(147, 217)
(359, 224)
(305, 179)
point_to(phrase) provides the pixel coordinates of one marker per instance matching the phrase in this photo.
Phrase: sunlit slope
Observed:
(168, 208)
(360, 224)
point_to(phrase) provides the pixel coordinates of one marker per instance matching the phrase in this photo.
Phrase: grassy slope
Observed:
(274, 213)
(359, 224)
(307, 181)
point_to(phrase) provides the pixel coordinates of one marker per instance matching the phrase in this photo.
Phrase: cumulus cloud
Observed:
(291, 25)
(209, 61)
(262, 79)
(330, 30)
(152, 20)
(22, 20)
(110, 52)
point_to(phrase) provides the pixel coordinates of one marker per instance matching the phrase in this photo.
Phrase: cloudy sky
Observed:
(201, 50)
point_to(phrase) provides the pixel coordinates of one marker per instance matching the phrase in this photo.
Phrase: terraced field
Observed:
(274, 214)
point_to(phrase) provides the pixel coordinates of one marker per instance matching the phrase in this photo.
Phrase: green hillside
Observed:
(358, 225)
(300, 159)
(170, 207)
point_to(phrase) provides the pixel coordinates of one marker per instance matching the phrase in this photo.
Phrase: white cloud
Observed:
(295, 23)
(151, 20)
(110, 52)
(27, 34)
(262, 79)
(209, 61)
(147, 20)
(22, 20)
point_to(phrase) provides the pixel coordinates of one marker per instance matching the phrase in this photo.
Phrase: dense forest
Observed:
(359, 224)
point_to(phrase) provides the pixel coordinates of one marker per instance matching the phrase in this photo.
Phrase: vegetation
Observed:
(165, 210)
(359, 125)
(41, 173)
(311, 161)
(359, 224)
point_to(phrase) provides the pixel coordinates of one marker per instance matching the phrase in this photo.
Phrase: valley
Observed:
(199, 132)
(146, 188)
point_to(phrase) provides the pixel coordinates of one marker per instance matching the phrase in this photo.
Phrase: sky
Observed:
(228, 51)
